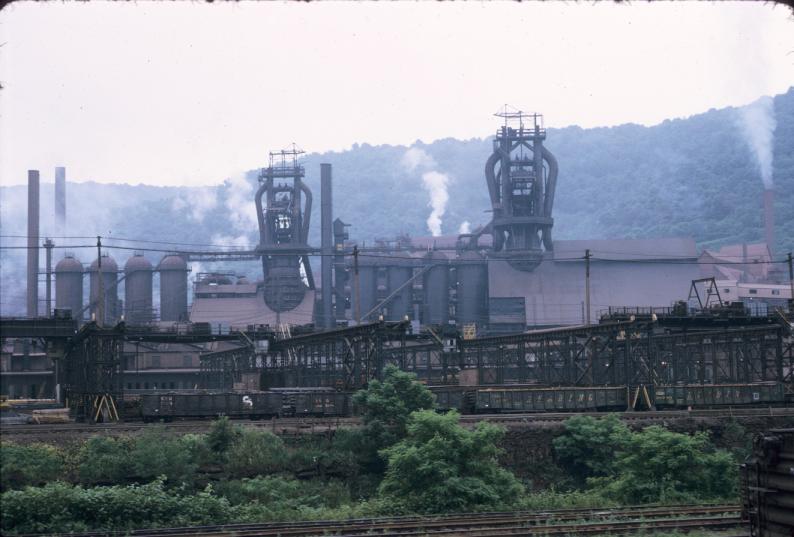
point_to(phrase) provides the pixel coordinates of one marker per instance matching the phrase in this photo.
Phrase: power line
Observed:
(378, 255)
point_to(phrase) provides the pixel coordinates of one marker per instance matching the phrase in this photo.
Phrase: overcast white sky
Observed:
(190, 93)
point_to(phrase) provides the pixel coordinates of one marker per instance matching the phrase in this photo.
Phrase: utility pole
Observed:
(100, 316)
(48, 244)
(356, 285)
(587, 286)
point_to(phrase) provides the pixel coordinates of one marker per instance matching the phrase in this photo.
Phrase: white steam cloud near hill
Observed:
(757, 121)
(433, 181)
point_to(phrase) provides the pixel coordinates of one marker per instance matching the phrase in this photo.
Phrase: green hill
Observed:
(685, 177)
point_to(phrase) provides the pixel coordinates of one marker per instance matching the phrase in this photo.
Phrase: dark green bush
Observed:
(29, 465)
(441, 467)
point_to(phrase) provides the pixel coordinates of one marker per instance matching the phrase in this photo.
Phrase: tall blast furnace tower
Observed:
(521, 176)
(283, 208)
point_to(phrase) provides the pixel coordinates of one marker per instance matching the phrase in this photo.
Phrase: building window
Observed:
(155, 361)
(172, 385)
(753, 291)
(187, 360)
(129, 385)
(145, 385)
(726, 291)
(775, 291)
(137, 385)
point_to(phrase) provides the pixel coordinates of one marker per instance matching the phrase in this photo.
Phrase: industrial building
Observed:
(505, 277)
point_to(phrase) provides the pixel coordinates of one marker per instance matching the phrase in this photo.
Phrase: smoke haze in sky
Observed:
(184, 93)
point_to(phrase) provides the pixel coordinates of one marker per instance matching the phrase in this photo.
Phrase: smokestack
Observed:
(60, 199)
(769, 218)
(33, 243)
(326, 243)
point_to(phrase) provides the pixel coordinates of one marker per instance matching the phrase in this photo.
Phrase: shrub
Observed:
(588, 446)
(156, 453)
(29, 465)
(104, 460)
(59, 507)
(256, 453)
(442, 467)
(658, 465)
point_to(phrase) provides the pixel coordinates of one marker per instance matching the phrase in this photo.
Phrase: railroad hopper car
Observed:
(716, 395)
(322, 403)
(767, 482)
(235, 405)
(557, 399)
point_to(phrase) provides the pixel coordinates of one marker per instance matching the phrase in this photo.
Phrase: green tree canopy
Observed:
(442, 467)
(589, 445)
(385, 407)
(660, 465)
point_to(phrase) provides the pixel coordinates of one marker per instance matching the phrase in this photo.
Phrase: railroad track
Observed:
(300, 425)
(492, 524)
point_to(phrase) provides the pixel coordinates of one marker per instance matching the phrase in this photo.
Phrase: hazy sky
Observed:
(190, 93)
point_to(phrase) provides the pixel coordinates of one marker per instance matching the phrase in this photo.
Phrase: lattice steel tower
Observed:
(521, 176)
(284, 213)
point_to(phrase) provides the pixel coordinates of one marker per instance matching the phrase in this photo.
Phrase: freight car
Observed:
(767, 480)
(318, 403)
(555, 399)
(716, 395)
(168, 406)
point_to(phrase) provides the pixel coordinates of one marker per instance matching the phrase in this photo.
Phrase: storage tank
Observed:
(472, 281)
(173, 288)
(69, 285)
(435, 286)
(368, 266)
(109, 277)
(138, 290)
(397, 273)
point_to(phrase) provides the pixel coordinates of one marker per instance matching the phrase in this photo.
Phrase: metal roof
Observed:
(626, 249)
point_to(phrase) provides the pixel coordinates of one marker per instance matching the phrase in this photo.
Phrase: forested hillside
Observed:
(685, 177)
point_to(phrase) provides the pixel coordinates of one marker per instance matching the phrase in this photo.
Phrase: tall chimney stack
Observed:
(769, 218)
(326, 243)
(60, 199)
(33, 243)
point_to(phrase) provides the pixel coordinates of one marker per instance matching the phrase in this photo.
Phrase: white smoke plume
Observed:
(230, 242)
(465, 227)
(436, 185)
(417, 157)
(240, 204)
(200, 201)
(758, 122)
(433, 181)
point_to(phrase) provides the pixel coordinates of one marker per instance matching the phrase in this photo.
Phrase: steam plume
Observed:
(433, 181)
(200, 201)
(465, 227)
(758, 123)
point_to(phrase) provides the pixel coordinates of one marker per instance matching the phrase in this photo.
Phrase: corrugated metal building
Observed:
(630, 272)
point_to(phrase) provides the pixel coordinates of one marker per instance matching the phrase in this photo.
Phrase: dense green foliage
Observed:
(385, 408)
(652, 465)
(588, 447)
(29, 465)
(429, 464)
(442, 467)
(684, 177)
(658, 465)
